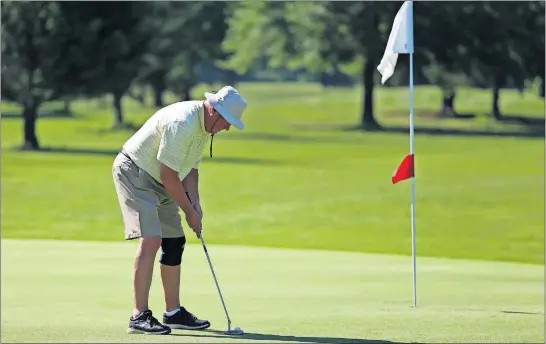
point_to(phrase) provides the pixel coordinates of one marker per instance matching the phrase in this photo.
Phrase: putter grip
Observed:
(199, 235)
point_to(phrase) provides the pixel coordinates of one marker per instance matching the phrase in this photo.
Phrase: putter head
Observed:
(235, 331)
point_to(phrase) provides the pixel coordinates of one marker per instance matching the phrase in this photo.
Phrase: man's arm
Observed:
(171, 182)
(172, 149)
(190, 184)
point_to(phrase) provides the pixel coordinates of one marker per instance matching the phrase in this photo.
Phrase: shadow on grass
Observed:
(113, 153)
(45, 114)
(523, 120)
(267, 338)
(426, 114)
(535, 132)
(522, 313)
(527, 127)
(277, 137)
(125, 126)
(531, 132)
(434, 115)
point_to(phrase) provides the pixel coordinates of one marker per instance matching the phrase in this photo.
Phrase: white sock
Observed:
(171, 313)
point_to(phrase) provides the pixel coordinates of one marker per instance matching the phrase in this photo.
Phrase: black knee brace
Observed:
(171, 251)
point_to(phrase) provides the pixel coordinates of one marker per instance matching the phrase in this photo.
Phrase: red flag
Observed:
(406, 170)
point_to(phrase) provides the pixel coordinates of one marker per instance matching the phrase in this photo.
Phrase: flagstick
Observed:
(412, 184)
(401, 42)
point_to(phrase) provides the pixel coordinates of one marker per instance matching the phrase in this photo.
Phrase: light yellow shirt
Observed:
(175, 136)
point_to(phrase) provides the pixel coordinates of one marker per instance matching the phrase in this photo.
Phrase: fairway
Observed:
(80, 292)
(295, 178)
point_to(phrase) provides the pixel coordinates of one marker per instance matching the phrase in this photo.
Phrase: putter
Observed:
(237, 330)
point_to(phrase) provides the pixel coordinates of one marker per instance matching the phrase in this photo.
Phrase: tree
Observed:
(317, 36)
(186, 32)
(453, 41)
(33, 71)
(442, 43)
(528, 39)
(500, 44)
(493, 50)
(109, 40)
(369, 25)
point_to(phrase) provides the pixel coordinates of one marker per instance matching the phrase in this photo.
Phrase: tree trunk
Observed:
(186, 92)
(541, 87)
(158, 96)
(448, 108)
(368, 119)
(189, 81)
(158, 83)
(30, 116)
(498, 81)
(118, 114)
(323, 78)
(67, 107)
(231, 77)
(496, 111)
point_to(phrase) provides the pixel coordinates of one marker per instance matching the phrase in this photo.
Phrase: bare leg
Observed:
(170, 275)
(143, 272)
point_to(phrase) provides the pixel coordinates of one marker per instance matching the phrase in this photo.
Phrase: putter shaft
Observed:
(213, 274)
(215, 280)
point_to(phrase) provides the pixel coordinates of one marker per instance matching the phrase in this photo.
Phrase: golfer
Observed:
(155, 169)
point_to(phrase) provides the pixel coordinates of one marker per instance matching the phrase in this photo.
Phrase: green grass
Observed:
(80, 292)
(294, 178)
(294, 181)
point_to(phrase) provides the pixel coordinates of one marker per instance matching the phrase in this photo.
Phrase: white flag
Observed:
(400, 41)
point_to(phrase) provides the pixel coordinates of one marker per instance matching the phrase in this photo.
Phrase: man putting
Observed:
(153, 172)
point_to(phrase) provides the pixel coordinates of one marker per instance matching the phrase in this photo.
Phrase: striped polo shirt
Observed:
(175, 136)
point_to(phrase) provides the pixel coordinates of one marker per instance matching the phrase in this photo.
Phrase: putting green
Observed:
(64, 291)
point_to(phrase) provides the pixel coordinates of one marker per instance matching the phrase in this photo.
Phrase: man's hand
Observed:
(194, 221)
(176, 190)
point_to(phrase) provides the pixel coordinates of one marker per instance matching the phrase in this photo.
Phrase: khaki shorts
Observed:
(146, 208)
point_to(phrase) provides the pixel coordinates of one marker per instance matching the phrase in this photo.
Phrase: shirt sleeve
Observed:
(174, 144)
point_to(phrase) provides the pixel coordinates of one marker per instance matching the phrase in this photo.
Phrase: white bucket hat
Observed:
(229, 103)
